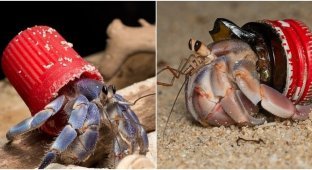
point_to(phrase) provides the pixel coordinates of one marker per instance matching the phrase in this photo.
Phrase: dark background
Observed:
(81, 23)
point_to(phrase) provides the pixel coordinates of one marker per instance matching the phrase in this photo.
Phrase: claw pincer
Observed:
(67, 97)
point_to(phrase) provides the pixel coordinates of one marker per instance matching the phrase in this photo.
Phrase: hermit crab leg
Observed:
(69, 133)
(302, 112)
(201, 101)
(245, 74)
(176, 72)
(130, 130)
(141, 133)
(125, 130)
(219, 79)
(232, 102)
(143, 140)
(79, 112)
(130, 115)
(88, 138)
(271, 100)
(61, 143)
(37, 120)
(218, 117)
(119, 147)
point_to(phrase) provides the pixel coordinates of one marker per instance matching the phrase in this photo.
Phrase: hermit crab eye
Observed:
(105, 90)
(114, 89)
(197, 45)
(190, 44)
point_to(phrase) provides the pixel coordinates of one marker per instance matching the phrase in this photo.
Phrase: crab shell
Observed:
(39, 62)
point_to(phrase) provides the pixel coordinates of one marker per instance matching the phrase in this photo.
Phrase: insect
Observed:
(223, 82)
(67, 98)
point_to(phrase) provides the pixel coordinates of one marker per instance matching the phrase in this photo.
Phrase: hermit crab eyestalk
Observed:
(113, 88)
(190, 44)
(199, 47)
(105, 90)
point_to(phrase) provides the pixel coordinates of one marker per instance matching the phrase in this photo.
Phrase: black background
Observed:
(81, 23)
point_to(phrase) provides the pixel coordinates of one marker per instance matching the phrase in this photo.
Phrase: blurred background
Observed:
(81, 23)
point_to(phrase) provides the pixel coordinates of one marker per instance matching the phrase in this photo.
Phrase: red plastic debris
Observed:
(39, 62)
(296, 40)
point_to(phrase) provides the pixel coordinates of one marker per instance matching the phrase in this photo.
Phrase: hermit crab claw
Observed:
(270, 99)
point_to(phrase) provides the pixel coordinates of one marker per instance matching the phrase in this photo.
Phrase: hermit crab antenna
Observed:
(151, 94)
(125, 102)
(175, 100)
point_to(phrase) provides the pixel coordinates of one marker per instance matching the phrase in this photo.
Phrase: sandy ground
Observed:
(282, 143)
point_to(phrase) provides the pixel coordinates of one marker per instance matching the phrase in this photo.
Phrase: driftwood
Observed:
(27, 151)
(123, 42)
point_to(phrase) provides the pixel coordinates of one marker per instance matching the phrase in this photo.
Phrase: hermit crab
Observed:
(265, 64)
(67, 97)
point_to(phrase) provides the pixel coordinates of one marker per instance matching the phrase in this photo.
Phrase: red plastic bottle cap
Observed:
(296, 40)
(39, 62)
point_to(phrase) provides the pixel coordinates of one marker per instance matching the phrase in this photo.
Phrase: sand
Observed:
(187, 144)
